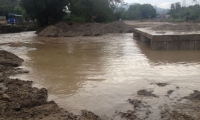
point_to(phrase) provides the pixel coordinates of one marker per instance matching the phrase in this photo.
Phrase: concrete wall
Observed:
(135, 34)
(143, 38)
(170, 42)
(175, 45)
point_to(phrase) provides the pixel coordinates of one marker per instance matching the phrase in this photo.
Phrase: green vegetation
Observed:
(138, 11)
(48, 12)
(180, 14)
(45, 11)
(18, 28)
(92, 10)
(10, 6)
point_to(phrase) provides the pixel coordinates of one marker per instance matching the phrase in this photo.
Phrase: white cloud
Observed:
(164, 5)
(159, 3)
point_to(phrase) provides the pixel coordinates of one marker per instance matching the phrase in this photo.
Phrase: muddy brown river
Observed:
(101, 73)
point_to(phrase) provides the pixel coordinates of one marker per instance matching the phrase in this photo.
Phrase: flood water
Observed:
(101, 73)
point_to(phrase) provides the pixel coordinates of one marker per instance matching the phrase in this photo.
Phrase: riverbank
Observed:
(17, 28)
(63, 29)
(19, 100)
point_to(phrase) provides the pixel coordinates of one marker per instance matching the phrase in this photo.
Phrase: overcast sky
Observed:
(159, 3)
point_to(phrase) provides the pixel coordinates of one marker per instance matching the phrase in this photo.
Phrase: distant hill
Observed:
(161, 10)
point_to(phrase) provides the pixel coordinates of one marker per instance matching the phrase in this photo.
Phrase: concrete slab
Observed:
(169, 40)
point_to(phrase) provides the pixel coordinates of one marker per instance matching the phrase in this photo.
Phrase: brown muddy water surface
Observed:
(101, 73)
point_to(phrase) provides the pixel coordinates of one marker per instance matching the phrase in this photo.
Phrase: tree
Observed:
(120, 13)
(19, 10)
(148, 11)
(138, 11)
(94, 10)
(45, 11)
(195, 1)
(185, 13)
(178, 6)
(172, 7)
(7, 6)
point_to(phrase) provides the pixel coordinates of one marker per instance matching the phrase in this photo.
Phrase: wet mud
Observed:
(170, 92)
(179, 110)
(146, 93)
(184, 27)
(19, 100)
(88, 29)
(193, 96)
(161, 84)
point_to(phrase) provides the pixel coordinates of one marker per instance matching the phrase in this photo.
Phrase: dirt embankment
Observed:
(95, 29)
(19, 100)
(181, 27)
(17, 28)
(88, 29)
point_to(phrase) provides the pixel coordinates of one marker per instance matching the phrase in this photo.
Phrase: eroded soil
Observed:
(182, 27)
(19, 100)
(88, 29)
(179, 110)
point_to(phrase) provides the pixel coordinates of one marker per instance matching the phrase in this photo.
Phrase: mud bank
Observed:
(185, 108)
(17, 28)
(181, 27)
(88, 29)
(19, 100)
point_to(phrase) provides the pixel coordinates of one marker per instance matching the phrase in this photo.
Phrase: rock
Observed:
(25, 71)
(135, 102)
(1, 74)
(1, 79)
(146, 93)
(3, 88)
(148, 112)
(21, 71)
(193, 96)
(5, 97)
(128, 115)
(9, 59)
(87, 115)
(170, 92)
(16, 107)
(161, 84)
